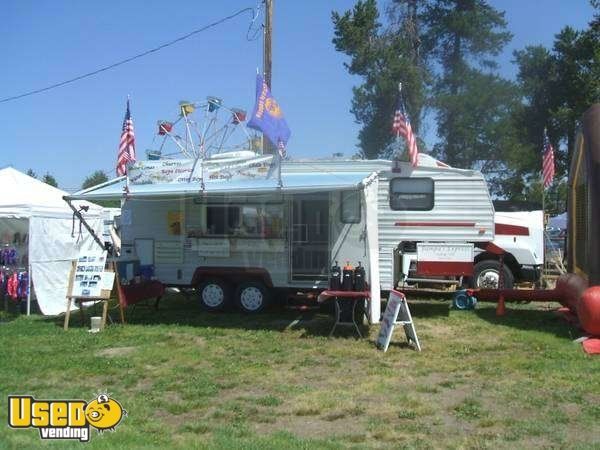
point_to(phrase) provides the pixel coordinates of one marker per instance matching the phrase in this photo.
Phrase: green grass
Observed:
(189, 379)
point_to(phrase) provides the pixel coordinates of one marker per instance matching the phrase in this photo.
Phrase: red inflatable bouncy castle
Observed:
(580, 288)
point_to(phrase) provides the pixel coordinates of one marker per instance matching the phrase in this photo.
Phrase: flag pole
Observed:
(542, 180)
(279, 181)
(544, 203)
(398, 131)
(280, 150)
(126, 193)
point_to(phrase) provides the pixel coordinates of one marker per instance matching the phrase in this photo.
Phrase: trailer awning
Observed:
(292, 182)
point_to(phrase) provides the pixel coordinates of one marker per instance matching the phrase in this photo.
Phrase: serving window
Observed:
(260, 221)
(411, 194)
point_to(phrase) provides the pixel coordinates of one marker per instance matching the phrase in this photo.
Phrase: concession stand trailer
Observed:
(236, 234)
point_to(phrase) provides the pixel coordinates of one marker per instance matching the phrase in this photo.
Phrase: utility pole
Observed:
(267, 61)
(267, 41)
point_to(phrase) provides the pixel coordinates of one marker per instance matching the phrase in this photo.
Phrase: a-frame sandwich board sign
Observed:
(397, 313)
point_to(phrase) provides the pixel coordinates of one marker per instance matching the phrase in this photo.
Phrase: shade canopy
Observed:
(27, 197)
(291, 183)
(38, 210)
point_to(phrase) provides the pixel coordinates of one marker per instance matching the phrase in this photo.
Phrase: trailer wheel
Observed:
(486, 275)
(214, 294)
(252, 297)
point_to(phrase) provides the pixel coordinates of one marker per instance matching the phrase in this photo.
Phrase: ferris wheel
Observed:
(202, 130)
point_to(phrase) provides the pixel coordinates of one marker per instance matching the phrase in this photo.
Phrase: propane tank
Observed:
(334, 277)
(359, 278)
(347, 277)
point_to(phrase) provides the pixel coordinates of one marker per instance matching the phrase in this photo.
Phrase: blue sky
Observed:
(74, 130)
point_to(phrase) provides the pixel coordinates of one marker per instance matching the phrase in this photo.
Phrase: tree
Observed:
(577, 60)
(536, 78)
(446, 50)
(455, 37)
(94, 179)
(31, 173)
(471, 102)
(49, 179)
(382, 57)
(557, 86)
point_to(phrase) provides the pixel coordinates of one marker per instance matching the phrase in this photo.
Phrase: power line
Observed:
(140, 55)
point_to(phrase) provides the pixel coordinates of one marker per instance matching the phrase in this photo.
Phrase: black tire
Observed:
(486, 275)
(214, 294)
(252, 297)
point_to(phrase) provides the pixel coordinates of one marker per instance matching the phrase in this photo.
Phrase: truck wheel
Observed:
(252, 297)
(486, 275)
(214, 295)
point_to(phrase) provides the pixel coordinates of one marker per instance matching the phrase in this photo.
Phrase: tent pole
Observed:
(85, 224)
(29, 276)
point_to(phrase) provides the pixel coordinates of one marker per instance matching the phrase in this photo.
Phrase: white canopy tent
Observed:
(35, 214)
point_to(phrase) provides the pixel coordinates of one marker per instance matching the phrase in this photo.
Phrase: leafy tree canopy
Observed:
(94, 179)
(49, 179)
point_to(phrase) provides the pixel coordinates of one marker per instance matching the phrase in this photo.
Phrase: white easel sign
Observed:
(397, 308)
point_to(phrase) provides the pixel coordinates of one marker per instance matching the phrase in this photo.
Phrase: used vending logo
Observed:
(64, 419)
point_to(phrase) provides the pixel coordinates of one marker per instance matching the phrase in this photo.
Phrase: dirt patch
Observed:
(188, 338)
(177, 420)
(172, 397)
(312, 427)
(144, 385)
(116, 351)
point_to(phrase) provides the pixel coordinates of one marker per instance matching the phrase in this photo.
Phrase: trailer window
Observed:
(222, 219)
(264, 221)
(411, 194)
(350, 206)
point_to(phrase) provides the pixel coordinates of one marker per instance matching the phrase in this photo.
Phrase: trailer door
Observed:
(309, 257)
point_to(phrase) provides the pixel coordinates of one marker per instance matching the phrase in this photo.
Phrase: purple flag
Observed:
(267, 115)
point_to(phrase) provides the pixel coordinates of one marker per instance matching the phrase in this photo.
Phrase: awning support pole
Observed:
(85, 224)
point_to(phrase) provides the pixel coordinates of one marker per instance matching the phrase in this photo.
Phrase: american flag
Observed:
(547, 162)
(127, 144)
(401, 126)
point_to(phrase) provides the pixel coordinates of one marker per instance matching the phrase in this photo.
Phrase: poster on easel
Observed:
(91, 280)
(87, 279)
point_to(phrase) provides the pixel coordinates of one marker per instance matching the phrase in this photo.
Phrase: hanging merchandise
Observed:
(12, 286)
(23, 285)
(8, 256)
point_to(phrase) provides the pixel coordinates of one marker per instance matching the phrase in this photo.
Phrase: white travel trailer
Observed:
(234, 234)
